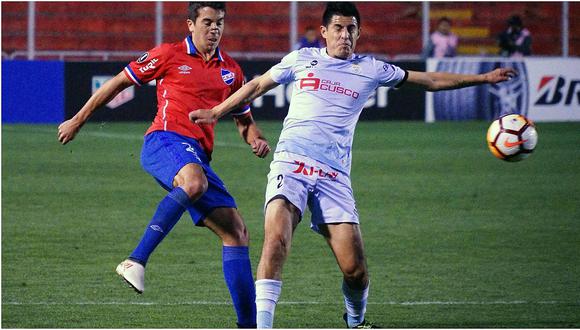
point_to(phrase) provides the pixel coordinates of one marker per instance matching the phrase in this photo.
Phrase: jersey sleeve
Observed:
(283, 72)
(149, 66)
(390, 75)
(238, 83)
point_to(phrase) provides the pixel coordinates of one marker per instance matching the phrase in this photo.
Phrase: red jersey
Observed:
(186, 82)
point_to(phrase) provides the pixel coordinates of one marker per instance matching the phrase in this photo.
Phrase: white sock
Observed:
(267, 294)
(356, 304)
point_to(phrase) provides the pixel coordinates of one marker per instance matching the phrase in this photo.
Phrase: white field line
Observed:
(118, 136)
(395, 303)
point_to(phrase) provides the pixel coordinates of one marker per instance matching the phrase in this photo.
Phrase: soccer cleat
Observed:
(133, 273)
(363, 325)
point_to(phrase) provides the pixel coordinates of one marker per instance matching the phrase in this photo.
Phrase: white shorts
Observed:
(302, 180)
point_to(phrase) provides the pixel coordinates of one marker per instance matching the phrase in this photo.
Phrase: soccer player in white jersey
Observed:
(312, 161)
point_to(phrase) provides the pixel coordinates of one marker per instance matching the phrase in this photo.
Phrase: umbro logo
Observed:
(156, 228)
(184, 69)
(191, 149)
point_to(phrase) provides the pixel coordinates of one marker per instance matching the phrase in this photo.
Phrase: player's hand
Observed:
(202, 116)
(68, 130)
(260, 147)
(500, 75)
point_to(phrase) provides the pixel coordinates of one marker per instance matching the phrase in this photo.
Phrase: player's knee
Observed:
(195, 188)
(234, 232)
(356, 275)
(239, 235)
(277, 245)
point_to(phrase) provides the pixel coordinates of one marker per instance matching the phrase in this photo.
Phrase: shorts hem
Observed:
(316, 229)
(281, 196)
(203, 216)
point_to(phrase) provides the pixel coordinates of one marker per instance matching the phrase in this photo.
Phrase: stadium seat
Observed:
(389, 28)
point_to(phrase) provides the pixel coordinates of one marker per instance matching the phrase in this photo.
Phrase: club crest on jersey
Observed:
(228, 77)
(143, 58)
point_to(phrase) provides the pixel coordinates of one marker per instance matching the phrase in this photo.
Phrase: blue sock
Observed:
(168, 213)
(238, 275)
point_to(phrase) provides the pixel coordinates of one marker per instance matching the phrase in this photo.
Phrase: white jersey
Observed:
(327, 99)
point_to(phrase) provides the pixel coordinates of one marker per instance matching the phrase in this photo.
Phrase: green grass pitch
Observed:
(454, 237)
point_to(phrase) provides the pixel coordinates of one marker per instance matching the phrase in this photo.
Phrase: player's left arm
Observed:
(251, 134)
(437, 81)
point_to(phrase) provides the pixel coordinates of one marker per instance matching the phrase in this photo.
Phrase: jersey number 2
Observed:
(280, 179)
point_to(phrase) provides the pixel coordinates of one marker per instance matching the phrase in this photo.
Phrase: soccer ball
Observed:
(512, 137)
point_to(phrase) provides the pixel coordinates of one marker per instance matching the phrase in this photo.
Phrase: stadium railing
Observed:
(108, 55)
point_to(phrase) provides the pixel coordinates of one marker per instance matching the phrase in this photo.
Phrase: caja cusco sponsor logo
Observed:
(228, 77)
(554, 90)
(316, 84)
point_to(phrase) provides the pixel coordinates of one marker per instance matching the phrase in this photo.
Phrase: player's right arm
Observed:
(245, 95)
(69, 129)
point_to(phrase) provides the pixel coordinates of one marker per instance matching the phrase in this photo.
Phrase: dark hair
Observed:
(515, 21)
(444, 19)
(195, 6)
(340, 9)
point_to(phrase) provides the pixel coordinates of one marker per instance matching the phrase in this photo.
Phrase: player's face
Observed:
(444, 27)
(207, 29)
(341, 35)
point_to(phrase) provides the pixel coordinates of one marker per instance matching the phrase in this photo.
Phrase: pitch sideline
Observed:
(217, 303)
(106, 135)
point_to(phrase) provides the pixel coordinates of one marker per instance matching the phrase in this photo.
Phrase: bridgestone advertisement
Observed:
(140, 103)
(546, 89)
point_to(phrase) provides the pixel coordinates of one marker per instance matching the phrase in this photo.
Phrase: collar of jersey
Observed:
(352, 57)
(191, 50)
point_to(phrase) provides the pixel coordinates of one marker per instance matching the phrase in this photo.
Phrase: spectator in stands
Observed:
(310, 39)
(442, 42)
(515, 41)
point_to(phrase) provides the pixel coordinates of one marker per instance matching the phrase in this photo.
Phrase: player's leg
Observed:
(229, 226)
(189, 184)
(282, 217)
(346, 243)
(286, 196)
(217, 210)
(175, 165)
(334, 215)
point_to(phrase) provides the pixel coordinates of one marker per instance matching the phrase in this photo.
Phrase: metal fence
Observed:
(32, 52)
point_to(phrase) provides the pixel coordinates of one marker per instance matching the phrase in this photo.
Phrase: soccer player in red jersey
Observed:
(191, 74)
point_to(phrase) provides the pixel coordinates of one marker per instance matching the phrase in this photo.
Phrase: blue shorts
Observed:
(165, 153)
